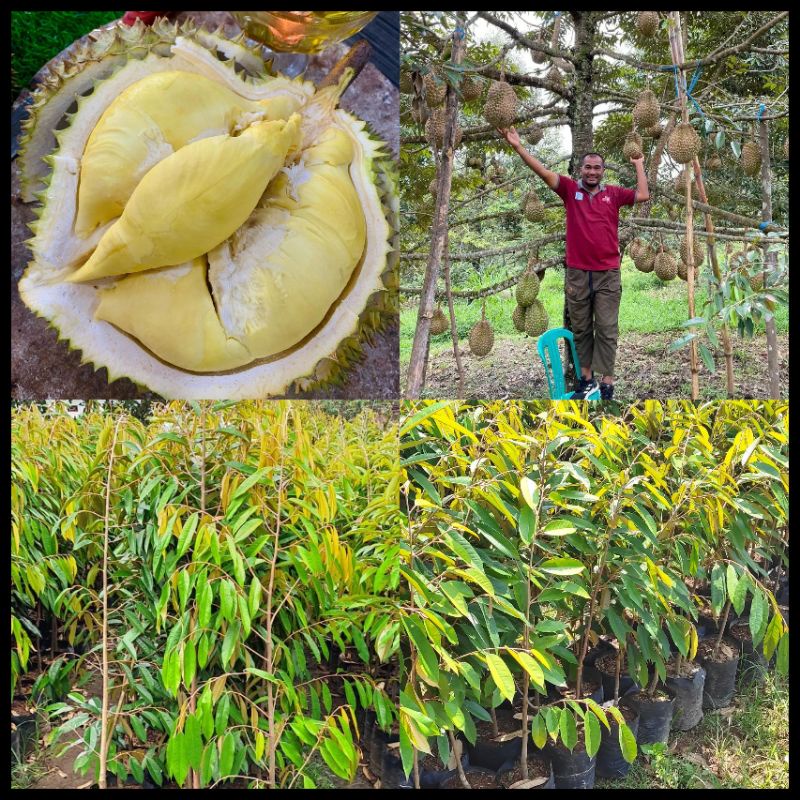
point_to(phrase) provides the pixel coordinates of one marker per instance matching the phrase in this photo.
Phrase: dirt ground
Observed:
(645, 370)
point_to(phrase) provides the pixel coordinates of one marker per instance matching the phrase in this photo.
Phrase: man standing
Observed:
(592, 280)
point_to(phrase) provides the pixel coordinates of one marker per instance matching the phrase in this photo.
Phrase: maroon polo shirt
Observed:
(592, 223)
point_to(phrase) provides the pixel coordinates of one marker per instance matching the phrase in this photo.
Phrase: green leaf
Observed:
(559, 527)
(568, 729)
(251, 481)
(229, 643)
(138, 728)
(773, 635)
(717, 588)
(527, 524)
(591, 730)
(731, 580)
(531, 666)
(562, 566)
(226, 755)
(539, 730)
(627, 743)
(708, 359)
(740, 593)
(254, 597)
(501, 675)
(782, 661)
(189, 662)
(136, 770)
(185, 539)
(758, 614)
(530, 492)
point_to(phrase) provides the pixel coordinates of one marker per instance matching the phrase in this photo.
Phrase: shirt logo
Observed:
(606, 199)
(579, 195)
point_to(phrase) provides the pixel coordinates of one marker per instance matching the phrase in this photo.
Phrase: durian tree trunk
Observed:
(676, 49)
(580, 114)
(451, 309)
(769, 258)
(419, 348)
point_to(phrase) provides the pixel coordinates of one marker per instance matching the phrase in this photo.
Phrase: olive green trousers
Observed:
(593, 303)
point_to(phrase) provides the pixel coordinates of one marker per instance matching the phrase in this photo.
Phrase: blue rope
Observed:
(688, 90)
(762, 226)
(761, 109)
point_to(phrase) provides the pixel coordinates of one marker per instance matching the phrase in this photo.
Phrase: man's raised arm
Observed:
(547, 175)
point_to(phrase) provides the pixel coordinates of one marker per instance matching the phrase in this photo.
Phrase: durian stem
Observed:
(676, 48)
(355, 60)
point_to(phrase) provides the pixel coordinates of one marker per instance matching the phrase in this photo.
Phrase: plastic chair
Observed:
(548, 352)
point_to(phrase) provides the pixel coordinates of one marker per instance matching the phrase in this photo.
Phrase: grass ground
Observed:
(37, 36)
(745, 747)
(652, 314)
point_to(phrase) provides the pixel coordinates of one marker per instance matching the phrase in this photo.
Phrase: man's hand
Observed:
(642, 192)
(639, 160)
(510, 135)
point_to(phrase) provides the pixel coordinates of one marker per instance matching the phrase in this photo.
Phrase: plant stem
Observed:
(459, 766)
(616, 674)
(104, 711)
(723, 623)
(495, 729)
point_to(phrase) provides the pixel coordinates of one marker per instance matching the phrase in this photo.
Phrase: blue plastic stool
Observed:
(548, 352)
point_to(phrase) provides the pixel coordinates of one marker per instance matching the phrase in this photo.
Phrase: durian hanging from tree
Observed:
(481, 337)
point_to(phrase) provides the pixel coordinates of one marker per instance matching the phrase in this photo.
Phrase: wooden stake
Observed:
(453, 331)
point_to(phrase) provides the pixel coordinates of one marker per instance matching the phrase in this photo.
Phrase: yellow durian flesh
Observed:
(149, 121)
(170, 311)
(193, 200)
(275, 281)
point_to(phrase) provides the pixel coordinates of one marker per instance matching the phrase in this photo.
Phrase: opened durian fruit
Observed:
(206, 229)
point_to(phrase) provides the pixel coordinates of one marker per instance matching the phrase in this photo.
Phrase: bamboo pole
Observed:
(769, 258)
(676, 47)
(419, 347)
(451, 308)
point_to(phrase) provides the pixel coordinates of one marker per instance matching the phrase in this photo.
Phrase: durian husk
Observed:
(527, 287)
(698, 251)
(406, 84)
(471, 88)
(536, 322)
(534, 209)
(481, 337)
(433, 187)
(535, 133)
(751, 158)
(518, 318)
(500, 108)
(714, 162)
(643, 258)
(684, 143)
(646, 111)
(646, 23)
(113, 60)
(434, 130)
(555, 77)
(434, 88)
(680, 182)
(683, 270)
(633, 145)
(439, 322)
(654, 131)
(538, 56)
(665, 266)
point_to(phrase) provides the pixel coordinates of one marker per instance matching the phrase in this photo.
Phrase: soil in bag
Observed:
(476, 777)
(610, 761)
(540, 772)
(492, 751)
(687, 686)
(606, 665)
(721, 671)
(655, 715)
(753, 666)
(571, 770)
(591, 686)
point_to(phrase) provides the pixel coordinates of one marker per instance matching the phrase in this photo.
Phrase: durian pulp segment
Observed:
(170, 312)
(274, 280)
(149, 121)
(193, 200)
